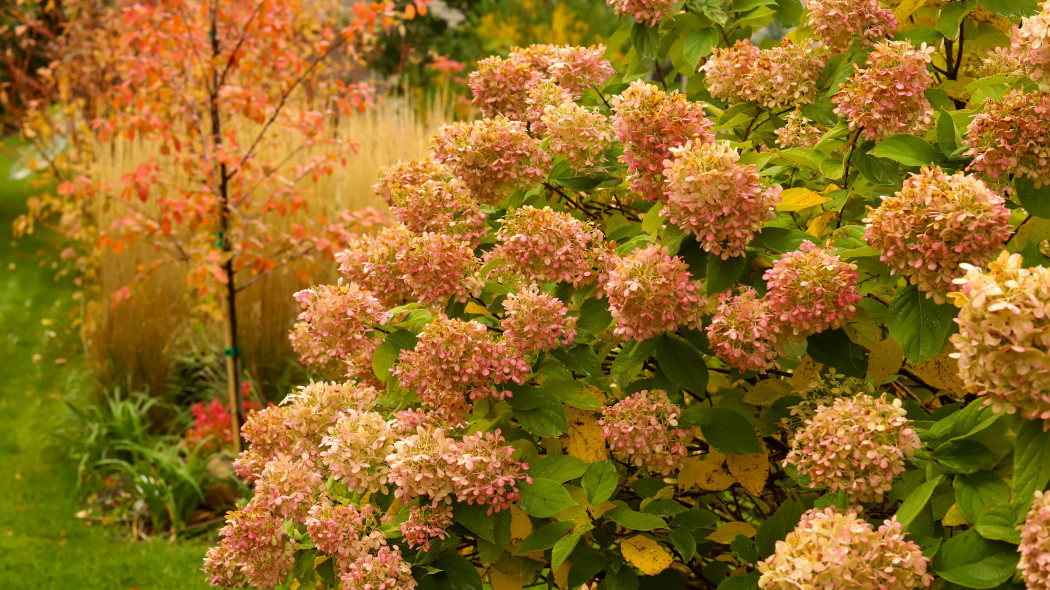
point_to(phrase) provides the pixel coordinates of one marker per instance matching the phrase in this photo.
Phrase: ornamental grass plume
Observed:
(886, 97)
(483, 471)
(439, 206)
(775, 78)
(426, 523)
(385, 569)
(812, 290)
(838, 22)
(1030, 45)
(576, 133)
(650, 292)
(799, 131)
(650, 122)
(1011, 135)
(935, 223)
(536, 322)
(856, 445)
(407, 175)
(709, 194)
(642, 430)
(500, 86)
(544, 245)
(832, 549)
(344, 530)
(1003, 343)
(649, 12)
(493, 156)
(744, 333)
(1035, 544)
(254, 550)
(355, 450)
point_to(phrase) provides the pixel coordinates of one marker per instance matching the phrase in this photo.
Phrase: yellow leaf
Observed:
(750, 470)
(820, 223)
(805, 373)
(942, 372)
(729, 531)
(295, 585)
(767, 391)
(863, 330)
(797, 199)
(708, 473)
(578, 512)
(982, 15)
(955, 517)
(906, 8)
(585, 436)
(561, 576)
(886, 359)
(505, 574)
(646, 554)
(520, 526)
(475, 309)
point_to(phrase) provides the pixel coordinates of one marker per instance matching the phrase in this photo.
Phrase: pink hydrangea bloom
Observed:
(744, 333)
(536, 322)
(838, 22)
(383, 570)
(288, 486)
(650, 12)
(344, 530)
(856, 445)
(437, 267)
(799, 131)
(483, 471)
(338, 321)
(1004, 331)
(1030, 45)
(886, 97)
(417, 466)
(573, 68)
(935, 223)
(405, 175)
(709, 194)
(642, 430)
(1011, 135)
(578, 134)
(650, 291)
(500, 86)
(545, 245)
(812, 290)
(835, 550)
(439, 206)
(492, 156)
(254, 551)
(650, 122)
(355, 450)
(313, 355)
(372, 263)
(426, 523)
(775, 78)
(544, 94)
(1035, 544)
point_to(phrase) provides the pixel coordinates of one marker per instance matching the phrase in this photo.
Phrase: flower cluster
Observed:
(642, 429)
(355, 450)
(838, 22)
(338, 319)
(484, 472)
(856, 445)
(544, 94)
(383, 570)
(1011, 135)
(437, 267)
(493, 157)
(439, 206)
(545, 245)
(344, 530)
(709, 194)
(887, 96)
(536, 322)
(406, 175)
(253, 551)
(935, 223)
(649, 12)
(775, 78)
(834, 549)
(1003, 343)
(812, 290)
(417, 466)
(500, 85)
(744, 333)
(426, 523)
(650, 122)
(798, 131)
(576, 133)
(211, 424)
(371, 262)
(1030, 45)
(575, 69)
(1035, 543)
(288, 487)
(650, 291)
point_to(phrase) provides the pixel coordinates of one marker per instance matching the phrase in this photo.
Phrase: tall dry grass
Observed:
(138, 342)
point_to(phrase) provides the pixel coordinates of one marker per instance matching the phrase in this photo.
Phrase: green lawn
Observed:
(42, 543)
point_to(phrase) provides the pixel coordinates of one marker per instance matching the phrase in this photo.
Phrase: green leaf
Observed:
(906, 149)
(632, 354)
(729, 432)
(721, 274)
(999, 523)
(745, 549)
(916, 501)
(580, 359)
(545, 537)
(919, 324)
(744, 582)
(684, 543)
(974, 493)
(1012, 9)
(571, 393)
(682, 363)
(326, 571)
(304, 566)
(1031, 460)
(544, 498)
(835, 349)
(594, 316)
(653, 219)
(459, 573)
(645, 39)
(1034, 200)
(974, 562)
(776, 527)
(780, 239)
(637, 521)
(961, 424)
(951, 17)
(476, 520)
(699, 44)
(964, 456)
(947, 138)
(879, 171)
(788, 13)
(386, 354)
(600, 481)
(563, 548)
(539, 412)
(559, 468)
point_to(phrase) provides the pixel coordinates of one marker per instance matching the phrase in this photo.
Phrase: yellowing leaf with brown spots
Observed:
(767, 391)
(820, 223)
(585, 436)
(886, 359)
(799, 198)
(906, 8)
(520, 526)
(729, 531)
(646, 554)
(506, 574)
(942, 372)
(561, 575)
(709, 473)
(982, 15)
(805, 373)
(955, 517)
(750, 470)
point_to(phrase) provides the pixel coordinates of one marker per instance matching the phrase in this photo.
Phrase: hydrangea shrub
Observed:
(730, 314)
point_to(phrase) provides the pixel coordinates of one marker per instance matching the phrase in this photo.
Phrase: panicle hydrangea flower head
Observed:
(500, 85)
(254, 551)
(578, 134)
(288, 486)
(572, 68)
(812, 290)
(440, 206)
(650, 122)
(709, 194)
(649, 12)
(650, 291)
(545, 245)
(355, 450)
(1000, 60)
(1003, 343)
(438, 267)
(546, 93)
(856, 445)
(833, 549)
(838, 22)
(1030, 45)
(338, 320)
(484, 472)
(344, 530)
(417, 467)
(426, 523)
(778, 77)
(642, 430)
(492, 156)
(1035, 544)
(1011, 135)
(744, 333)
(536, 322)
(935, 223)
(799, 131)
(383, 570)
(372, 263)
(887, 96)
(313, 354)
(407, 174)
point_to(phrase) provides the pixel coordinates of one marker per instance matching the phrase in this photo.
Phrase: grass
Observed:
(42, 542)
